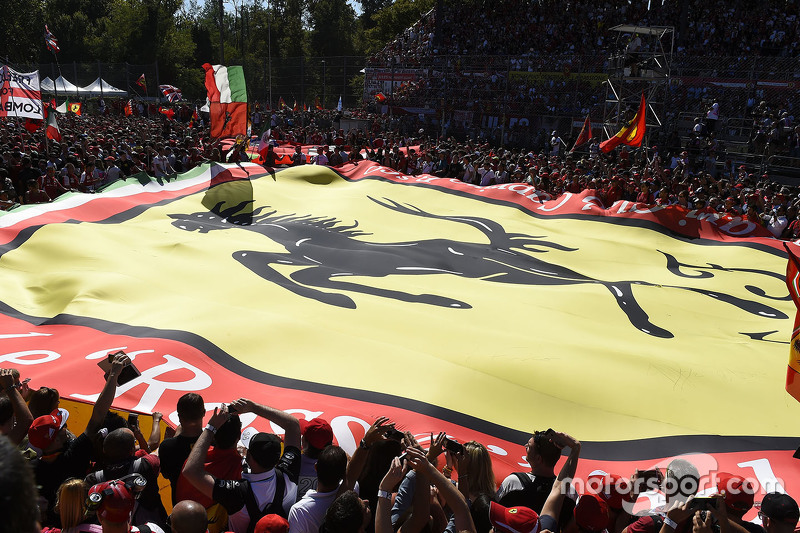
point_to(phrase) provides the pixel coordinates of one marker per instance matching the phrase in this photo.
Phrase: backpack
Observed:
(276, 507)
(534, 494)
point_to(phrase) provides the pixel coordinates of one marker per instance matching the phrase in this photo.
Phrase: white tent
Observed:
(63, 86)
(94, 89)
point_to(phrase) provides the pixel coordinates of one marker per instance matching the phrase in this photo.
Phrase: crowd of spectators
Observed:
(223, 478)
(694, 175)
(532, 28)
(470, 64)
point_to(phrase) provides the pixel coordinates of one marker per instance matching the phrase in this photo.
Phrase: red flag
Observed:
(316, 103)
(75, 107)
(141, 82)
(585, 134)
(294, 107)
(380, 97)
(632, 133)
(281, 103)
(793, 282)
(167, 112)
(32, 124)
(52, 131)
(129, 109)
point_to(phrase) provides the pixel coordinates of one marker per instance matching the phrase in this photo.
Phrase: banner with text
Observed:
(19, 94)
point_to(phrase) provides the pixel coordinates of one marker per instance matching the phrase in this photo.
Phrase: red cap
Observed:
(739, 493)
(610, 487)
(117, 501)
(591, 513)
(513, 519)
(317, 432)
(44, 430)
(272, 523)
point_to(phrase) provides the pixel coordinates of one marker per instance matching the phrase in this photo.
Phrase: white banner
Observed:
(19, 94)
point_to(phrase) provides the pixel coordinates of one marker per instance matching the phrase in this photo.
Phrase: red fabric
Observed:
(793, 283)
(228, 120)
(222, 464)
(633, 132)
(585, 134)
(211, 84)
(32, 124)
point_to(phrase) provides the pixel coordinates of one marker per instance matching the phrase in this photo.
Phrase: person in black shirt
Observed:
(61, 455)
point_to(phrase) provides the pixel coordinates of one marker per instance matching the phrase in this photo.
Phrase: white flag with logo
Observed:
(19, 94)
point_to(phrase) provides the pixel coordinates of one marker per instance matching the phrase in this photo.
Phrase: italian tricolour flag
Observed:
(52, 131)
(227, 95)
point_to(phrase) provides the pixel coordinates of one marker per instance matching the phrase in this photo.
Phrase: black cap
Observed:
(780, 507)
(265, 448)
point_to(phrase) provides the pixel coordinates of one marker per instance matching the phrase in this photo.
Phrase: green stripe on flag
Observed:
(237, 85)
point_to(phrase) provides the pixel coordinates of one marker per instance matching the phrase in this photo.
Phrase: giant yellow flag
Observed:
(489, 313)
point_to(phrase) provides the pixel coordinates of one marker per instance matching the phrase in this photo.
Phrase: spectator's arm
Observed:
(103, 402)
(453, 498)
(155, 433)
(354, 468)
(420, 507)
(22, 415)
(290, 425)
(678, 513)
(383, 518)
(552, 506)
(137, 432)
(194, 468)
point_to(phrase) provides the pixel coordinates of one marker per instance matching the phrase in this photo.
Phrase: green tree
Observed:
(23, 32)
(332, 23)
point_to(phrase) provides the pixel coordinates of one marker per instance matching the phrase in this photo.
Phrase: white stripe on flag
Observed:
(221, 79)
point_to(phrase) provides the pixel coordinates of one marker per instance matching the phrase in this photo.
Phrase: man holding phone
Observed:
(61, 455)
(531, 489)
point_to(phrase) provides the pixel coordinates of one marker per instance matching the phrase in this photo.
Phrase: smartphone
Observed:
(133, 419)
(703, 504)
(453, 447)
(394, 434)
(129, 372)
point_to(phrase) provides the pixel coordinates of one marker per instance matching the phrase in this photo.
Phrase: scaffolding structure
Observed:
(641, 64)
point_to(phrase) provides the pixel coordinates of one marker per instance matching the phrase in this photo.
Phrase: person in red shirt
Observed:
(50, 184)
(223, 462)
(645, 196)
(614, 192)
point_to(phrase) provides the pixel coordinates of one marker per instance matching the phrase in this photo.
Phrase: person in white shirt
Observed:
(161, 166)
(113, 172)
(555, 143)
(321, 158)
(469, 171)
(90, 178)
(307, 515)
(711, 118)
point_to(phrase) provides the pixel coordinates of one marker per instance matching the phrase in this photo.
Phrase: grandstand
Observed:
(508, 71)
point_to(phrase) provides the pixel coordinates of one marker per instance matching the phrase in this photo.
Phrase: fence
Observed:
(487, 91)
(299, 79)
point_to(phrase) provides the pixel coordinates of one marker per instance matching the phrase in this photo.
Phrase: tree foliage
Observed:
(182, 34)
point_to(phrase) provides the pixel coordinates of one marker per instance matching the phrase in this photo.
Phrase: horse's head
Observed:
(202, 222)
(215, 218)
